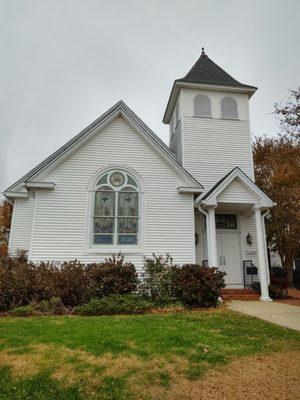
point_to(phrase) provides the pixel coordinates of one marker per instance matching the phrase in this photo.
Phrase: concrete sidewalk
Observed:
(280, 314)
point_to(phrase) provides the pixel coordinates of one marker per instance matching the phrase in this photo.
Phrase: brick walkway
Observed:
(293, 297)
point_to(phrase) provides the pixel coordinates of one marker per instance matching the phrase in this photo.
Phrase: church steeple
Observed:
(205, 73)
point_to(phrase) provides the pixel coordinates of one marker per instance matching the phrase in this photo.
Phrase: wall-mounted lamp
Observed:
(249, 239)
(196, 238)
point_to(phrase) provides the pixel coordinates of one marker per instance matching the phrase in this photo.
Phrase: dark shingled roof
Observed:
(206, 71)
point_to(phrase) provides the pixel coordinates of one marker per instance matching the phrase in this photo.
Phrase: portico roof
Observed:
(211, 197)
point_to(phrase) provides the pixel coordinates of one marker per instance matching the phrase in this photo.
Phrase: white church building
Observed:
(117, 187)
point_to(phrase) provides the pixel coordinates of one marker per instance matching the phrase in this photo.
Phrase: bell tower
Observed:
(208, 116)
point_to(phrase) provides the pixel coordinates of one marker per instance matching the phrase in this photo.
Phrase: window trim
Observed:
(90, 247)
(237, 109)
(206, 115)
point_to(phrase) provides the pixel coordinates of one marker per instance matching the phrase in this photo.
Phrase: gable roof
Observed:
(204, 72)
(120, 108)
(210, 197)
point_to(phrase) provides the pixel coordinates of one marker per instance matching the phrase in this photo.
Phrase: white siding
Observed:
(21, 226)
(176, 143)
(248, 226)
(236, 192)
(213, 147)
(60, 219)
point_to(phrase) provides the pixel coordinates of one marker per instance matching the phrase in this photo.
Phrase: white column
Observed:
(212, 237)
(207, 236)
(265, 242)
(263, 270)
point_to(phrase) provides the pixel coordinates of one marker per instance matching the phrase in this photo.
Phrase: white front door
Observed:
(229, 257)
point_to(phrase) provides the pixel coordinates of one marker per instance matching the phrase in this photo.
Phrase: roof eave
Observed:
(179, 83)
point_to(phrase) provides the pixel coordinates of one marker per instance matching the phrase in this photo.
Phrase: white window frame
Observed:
(236, 104)
(115, 248)
(194, 103)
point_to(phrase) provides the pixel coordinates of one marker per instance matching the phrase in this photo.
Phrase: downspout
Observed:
(265, 242)
(207, 235)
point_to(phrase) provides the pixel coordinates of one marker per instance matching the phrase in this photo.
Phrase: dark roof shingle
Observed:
(206, 71)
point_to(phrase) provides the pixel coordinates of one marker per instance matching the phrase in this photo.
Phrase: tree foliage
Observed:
(277, 173)
(5, 221)
(289, 114)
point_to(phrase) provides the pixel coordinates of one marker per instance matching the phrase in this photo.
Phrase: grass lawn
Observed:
(134, 357)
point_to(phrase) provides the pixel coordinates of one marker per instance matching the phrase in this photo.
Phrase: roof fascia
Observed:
(188, 189)
(70, 150)
(119, 109)
(45, 163)
(159, 147)
(263, 199)
(13, 195)
(40, 185)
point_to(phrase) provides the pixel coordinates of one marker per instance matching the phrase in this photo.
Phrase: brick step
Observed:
(240, 297)
(241, 291)
(239, 294)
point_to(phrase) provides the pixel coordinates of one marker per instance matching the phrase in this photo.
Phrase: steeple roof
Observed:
(206, 71)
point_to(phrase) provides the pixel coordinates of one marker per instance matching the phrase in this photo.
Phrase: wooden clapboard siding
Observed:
(60, 218)
(213, 147)
(21, 226)
(236, 192)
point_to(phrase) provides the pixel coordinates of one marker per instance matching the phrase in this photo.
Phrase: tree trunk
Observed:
(288, 267)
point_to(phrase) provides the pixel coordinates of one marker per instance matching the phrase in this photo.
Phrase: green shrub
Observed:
(115, 304)
(23, 311)
(198, 286)
(52, 306)
(73, 285)
(113, 276)
(157, 283)
(22, 283)
(16, 282)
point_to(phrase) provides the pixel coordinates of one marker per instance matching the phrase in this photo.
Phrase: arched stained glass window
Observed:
(116, 210)
(229, 108)
(202, 106)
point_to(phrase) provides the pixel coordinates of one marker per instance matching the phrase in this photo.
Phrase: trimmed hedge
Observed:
(71, 284)
(54, 306)
(198, 286)
(192, 284)
(22, 283)
(157, 284)
(115, 304)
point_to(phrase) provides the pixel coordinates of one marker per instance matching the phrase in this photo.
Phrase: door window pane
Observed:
(226, 221)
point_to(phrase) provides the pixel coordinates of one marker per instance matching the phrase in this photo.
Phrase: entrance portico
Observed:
(233, 208)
